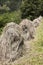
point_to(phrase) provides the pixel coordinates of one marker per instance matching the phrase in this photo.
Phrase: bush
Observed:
(10, 17)
(1, 29)
(31, 8)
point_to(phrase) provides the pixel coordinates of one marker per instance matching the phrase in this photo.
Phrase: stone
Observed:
(11, 43)
(27, 28)
(40, 18)
(37, 21)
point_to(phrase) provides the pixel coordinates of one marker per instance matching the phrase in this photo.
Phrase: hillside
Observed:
(35, 55)
(15, 11)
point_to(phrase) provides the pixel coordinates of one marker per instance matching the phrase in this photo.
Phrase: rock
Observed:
(27, 28)
(11, 43)
(40, 18)
(37, 21)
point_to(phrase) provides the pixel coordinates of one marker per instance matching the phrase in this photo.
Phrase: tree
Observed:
(31, 8)
(12, 5)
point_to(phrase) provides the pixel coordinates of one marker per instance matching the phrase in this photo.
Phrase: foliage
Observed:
(31, 8)
(10, 17)
(10, 5)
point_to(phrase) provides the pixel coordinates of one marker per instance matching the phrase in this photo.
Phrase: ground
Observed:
(35, 55)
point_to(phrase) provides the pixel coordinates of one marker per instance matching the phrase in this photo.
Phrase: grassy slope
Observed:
(35, 57)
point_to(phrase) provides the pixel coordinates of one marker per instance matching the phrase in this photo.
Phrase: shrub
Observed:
(31, 8)
(10, 17)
